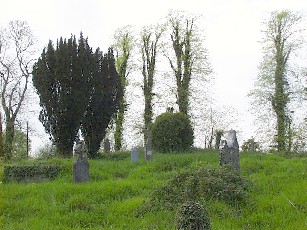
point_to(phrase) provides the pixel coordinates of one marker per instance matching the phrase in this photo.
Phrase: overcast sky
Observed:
(232, 29)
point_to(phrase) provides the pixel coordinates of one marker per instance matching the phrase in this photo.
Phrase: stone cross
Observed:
(107, 146)
(134, 155)
(229, 151)
(81, 166)
(148, 147)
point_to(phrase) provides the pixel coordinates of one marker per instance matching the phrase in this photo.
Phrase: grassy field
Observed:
(119, 188)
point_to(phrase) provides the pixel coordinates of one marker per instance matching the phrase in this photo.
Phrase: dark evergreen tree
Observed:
(105, 95)
(61, 77)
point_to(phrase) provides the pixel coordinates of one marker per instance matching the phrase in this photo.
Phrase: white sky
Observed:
(232, 29)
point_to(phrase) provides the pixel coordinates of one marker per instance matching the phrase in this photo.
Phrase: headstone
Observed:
(148, 147)
(229, 151)
(107, 145)
(134, 155)
(81, 165)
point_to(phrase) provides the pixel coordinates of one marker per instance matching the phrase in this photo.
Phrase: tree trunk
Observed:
(65, 153)
(1, 138)
(147, 113)
(183, 102)
(119, 125)
(280, 98)
(9, 137)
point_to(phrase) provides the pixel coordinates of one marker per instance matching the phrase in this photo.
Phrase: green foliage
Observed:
(61, 77)
(24, 173)
(188, 59)
(172, 132)
(274, 89)
(250, 145)
(192, 216)
(123, 46)
(76, 86)
(221, 184)
(46, 152)
(105, 96)
(19, 145)
(149, 48)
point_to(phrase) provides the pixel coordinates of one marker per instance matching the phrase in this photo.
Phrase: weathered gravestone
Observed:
(81, 166)
(134, 155)
(229, 151)
(148, 147)
(107, 146)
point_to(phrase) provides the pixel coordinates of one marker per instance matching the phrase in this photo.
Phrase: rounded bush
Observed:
(172, 132)
(192, 215)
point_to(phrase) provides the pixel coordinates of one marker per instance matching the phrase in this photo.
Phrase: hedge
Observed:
(30, 173)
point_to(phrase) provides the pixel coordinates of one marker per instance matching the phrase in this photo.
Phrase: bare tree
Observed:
(16, 50)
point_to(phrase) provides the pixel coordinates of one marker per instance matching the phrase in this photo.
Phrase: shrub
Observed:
(192, 216)
(46, 152)
(221, 184)
(29, 173)
(251, 146)
(172, 132)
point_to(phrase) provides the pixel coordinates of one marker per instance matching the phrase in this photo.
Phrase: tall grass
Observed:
(118, 188)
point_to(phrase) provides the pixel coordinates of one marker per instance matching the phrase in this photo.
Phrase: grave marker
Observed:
(134, 155)
(107, 145)
(81, 165)
(229, 151)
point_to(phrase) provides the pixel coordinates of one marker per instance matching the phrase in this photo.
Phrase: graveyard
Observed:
(121, 186)
(150, 131)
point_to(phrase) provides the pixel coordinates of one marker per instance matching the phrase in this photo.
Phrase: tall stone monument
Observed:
(229, 151)
(81, 166)
(148, 147)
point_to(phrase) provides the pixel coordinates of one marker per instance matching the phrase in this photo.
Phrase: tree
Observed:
(273, 88)
(16, 51)
(105, 97)
(149, 48)
(20, 145)
(251, 145)
(61, 77)
(123, 47)
(190, 57)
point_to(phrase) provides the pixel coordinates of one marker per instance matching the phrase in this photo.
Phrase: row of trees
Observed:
(76, 85)
(179, 40)
(274, 90)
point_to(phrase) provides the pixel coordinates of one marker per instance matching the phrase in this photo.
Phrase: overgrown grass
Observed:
(119, 188)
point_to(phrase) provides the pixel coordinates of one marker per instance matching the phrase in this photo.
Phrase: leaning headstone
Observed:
(107, 146)
(148, 147)
(81, 166)
(134, 155)
(229, 151)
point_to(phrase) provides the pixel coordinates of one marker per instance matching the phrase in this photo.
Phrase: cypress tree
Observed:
(61, 78)
(106, 93)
